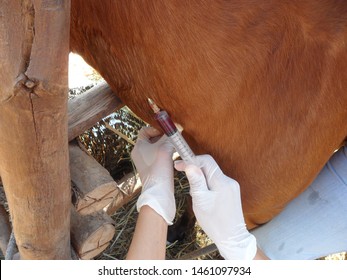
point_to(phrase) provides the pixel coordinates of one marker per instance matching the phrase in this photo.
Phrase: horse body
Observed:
(262, 87)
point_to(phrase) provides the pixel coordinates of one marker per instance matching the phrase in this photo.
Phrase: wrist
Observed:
(238, 246)
(162, 203)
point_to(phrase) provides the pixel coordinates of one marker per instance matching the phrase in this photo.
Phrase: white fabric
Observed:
(217, 207)
(315, 223)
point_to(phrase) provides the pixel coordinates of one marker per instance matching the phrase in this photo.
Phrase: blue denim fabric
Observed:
(315, 223)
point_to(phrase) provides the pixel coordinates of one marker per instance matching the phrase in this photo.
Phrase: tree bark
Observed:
(34, 167)
(95, 188)
(91, 234)
(129, 186)
(83, 116)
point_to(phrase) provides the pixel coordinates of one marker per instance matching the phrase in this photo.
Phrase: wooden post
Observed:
(95, 187)
(83, 116)
(34, 166)
(91, 234)
(129, 186)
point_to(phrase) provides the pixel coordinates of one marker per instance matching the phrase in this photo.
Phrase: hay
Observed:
(125, 220)
(113, 152)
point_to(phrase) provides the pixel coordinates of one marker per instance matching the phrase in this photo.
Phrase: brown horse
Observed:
(259, 85)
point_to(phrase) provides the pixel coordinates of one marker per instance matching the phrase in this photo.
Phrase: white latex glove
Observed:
(218, 210)
(153, 161)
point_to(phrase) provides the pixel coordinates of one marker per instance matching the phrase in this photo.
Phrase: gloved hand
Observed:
(153, 161)
(217, 207)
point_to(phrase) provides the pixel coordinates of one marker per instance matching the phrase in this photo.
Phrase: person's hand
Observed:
(153, 161)
(217, 207)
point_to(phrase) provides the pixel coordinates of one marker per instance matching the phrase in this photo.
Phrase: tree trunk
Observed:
(129, 186)
(34, 167)
(91, 234)
(90, 107)
(94, 186)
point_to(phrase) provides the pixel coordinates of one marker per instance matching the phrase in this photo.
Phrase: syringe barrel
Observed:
(175, 136)
(166, 123)
(182, 147)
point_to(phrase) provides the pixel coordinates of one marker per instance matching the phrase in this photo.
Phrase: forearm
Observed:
(149, 240)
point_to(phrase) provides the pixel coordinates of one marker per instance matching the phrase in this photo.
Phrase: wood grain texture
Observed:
(95, 186)
(90, 107)
(33, 112)
(91, 234)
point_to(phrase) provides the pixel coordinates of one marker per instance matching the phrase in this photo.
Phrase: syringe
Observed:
(172, 132)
